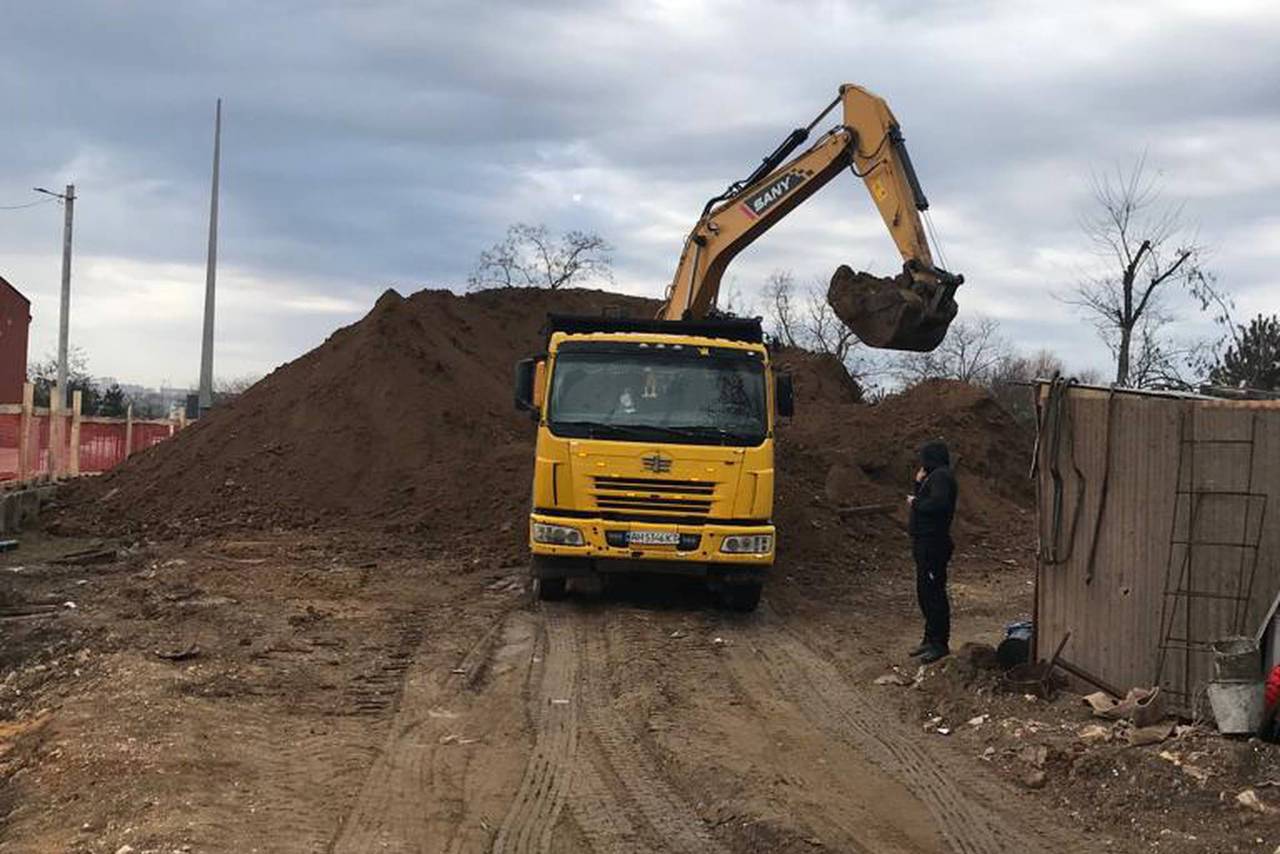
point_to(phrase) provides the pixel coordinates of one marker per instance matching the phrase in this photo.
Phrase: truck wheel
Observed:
(742, 598)
(551, 589)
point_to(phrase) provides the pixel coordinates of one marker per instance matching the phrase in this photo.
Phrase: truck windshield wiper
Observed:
(702, 431)
(599, 430)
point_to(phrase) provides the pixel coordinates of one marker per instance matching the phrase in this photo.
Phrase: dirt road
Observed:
(662, 731)
(406, 706)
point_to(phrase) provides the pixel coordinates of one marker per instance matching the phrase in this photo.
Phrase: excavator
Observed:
(655, 437)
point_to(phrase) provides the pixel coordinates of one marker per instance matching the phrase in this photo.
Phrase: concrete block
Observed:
(7, 524)
(28, 509)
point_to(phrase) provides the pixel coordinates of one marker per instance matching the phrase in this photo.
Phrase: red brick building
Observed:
(15, 321)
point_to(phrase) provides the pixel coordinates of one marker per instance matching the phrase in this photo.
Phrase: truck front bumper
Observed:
(604, 548)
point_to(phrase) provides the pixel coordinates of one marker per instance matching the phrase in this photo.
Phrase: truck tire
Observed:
(551, 589)
(742, 598)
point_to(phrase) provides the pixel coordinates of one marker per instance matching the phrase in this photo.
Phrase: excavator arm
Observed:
(907, 312)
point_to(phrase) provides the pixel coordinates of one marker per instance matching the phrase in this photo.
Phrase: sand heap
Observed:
(402, 425)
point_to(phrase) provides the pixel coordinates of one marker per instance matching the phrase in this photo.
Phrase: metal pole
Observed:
(211, 273)
(69, 202)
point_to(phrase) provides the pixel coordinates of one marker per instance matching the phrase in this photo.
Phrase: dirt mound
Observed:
(402, 425)
(845, 469)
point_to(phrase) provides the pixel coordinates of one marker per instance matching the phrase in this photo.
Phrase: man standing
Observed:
(932, 507)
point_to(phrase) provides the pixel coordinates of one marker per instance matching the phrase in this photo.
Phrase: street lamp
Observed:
(69, 201)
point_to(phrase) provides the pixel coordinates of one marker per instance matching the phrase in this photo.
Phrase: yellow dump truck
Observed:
(655, 451)
(655, 446)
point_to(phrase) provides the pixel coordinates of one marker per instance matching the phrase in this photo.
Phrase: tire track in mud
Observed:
(417, 793)
(531, 819)
(813, 684)
(294, 772)
(595, 809)
(645, 812)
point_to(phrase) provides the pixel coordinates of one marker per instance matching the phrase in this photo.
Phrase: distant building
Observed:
(15, 323)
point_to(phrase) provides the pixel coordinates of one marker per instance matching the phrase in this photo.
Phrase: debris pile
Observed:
(402, 425)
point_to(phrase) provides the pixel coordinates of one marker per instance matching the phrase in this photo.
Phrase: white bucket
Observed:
(1237, 706)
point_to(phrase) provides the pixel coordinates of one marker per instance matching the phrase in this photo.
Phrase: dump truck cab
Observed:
(655, 452)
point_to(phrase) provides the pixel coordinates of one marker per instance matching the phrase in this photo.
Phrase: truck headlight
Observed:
(759, 544)
(557, 535)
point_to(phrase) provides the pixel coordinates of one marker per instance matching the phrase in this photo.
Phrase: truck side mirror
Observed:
(526, 373)
(786, 395)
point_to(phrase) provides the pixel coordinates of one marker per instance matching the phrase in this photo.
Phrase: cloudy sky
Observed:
(383, 143)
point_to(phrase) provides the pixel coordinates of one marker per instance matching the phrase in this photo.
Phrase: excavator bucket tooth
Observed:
(898, 313)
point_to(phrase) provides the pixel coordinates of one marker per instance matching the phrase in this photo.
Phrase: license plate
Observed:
(653, 538)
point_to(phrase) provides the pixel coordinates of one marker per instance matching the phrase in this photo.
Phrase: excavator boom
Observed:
(908, 312)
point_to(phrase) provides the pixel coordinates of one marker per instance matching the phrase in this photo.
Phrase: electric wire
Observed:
(27, 205)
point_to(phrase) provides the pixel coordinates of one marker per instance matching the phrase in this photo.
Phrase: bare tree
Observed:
(802, 317)
(1011, 381)
(1013, 367)
(970, 353)
(1087, 376)
(1153, 362)
(780, 309)
(229, 388)
(824, 332)
(734, 302)
(530, 256)
(1149, 251)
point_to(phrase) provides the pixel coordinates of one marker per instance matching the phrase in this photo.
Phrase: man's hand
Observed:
(921, 474)
(911, 500)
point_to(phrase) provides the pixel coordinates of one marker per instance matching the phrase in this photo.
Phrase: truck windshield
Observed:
(649, 394)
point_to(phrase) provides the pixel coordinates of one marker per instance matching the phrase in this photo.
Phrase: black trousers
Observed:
(931, 556)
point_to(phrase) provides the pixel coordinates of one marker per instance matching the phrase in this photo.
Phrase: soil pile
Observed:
(846, 467)
(402, 425)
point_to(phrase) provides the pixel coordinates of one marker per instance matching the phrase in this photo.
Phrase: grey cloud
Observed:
(391, 141)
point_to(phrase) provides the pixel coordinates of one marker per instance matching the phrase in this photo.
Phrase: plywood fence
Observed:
(1158, 532)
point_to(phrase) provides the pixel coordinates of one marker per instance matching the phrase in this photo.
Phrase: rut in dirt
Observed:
(660, 817)
(531, 820)
(838, 709)
(454, 749)
(585, 757)
(588, 779)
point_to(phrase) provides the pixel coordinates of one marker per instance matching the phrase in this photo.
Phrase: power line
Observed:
(27, 205)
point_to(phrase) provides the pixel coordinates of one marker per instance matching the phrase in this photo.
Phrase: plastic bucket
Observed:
(1237, 706)
(1021, 630)
(1015, 649)
(1236, 658)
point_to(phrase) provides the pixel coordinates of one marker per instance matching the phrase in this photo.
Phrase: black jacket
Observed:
(935, 503)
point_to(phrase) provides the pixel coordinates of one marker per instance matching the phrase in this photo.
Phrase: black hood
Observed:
(934, 455)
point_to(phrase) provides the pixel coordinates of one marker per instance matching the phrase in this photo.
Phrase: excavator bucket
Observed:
(898, 313)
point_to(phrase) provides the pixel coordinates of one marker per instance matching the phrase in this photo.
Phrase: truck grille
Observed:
(681, 497)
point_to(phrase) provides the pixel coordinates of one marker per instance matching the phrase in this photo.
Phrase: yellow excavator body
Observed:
(911, 311)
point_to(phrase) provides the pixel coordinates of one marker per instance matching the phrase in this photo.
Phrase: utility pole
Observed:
(211, 273)
(64, 317)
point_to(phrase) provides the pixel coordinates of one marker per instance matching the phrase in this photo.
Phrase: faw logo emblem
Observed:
(767, 196)
(656, 463)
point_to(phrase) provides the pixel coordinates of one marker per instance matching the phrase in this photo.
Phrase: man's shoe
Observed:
(934, 653)
(924, 647)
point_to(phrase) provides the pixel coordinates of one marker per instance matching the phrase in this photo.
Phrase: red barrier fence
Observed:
(37, 444)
